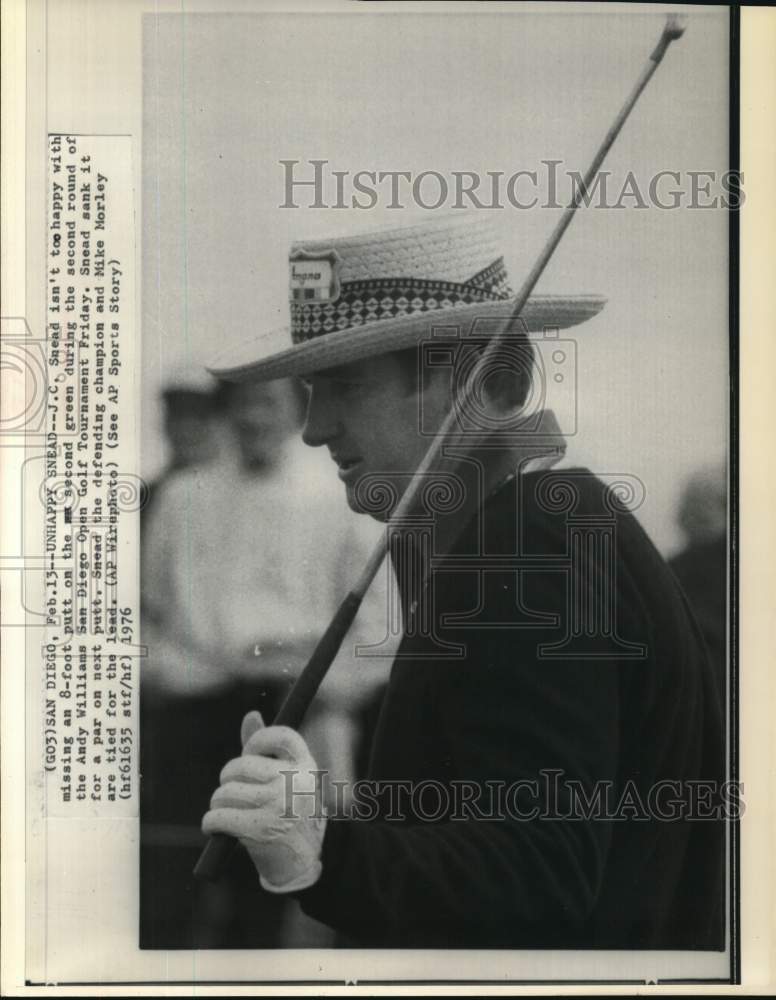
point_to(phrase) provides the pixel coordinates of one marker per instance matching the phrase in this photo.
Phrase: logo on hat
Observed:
(354, 296)
(314, 277)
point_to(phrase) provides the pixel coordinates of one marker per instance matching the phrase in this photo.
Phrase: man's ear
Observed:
(506, 386)
(505, 391)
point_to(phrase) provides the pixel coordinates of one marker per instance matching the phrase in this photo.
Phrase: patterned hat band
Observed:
(316, 311)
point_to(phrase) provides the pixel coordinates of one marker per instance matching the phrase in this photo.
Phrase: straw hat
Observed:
(386, 290)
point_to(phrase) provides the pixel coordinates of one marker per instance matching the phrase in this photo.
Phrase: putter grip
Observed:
(220, 846)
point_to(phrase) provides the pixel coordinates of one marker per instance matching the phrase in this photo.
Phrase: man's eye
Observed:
(342, 385)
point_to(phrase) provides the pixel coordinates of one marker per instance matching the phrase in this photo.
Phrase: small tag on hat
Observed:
(314, 277)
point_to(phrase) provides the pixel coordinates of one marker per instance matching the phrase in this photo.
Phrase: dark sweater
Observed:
(509, 710)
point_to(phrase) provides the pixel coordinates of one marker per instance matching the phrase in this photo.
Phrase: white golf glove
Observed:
(277, 817)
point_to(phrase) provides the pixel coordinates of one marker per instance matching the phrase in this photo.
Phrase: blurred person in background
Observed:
(191, 425)
(701, 566)
(244, 563)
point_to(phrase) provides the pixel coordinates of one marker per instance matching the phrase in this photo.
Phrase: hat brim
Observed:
(253, 362)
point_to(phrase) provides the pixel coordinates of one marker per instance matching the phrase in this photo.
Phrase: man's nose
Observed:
(321, 421)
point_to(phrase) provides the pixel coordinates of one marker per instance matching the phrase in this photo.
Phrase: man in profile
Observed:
(550, 706)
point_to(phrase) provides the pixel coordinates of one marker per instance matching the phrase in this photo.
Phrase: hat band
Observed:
(374, 299)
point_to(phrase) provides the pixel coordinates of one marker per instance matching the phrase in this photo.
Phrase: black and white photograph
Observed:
(367, 333)
(389, 523)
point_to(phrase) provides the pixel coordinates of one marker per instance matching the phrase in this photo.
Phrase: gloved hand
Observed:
(277, 817)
